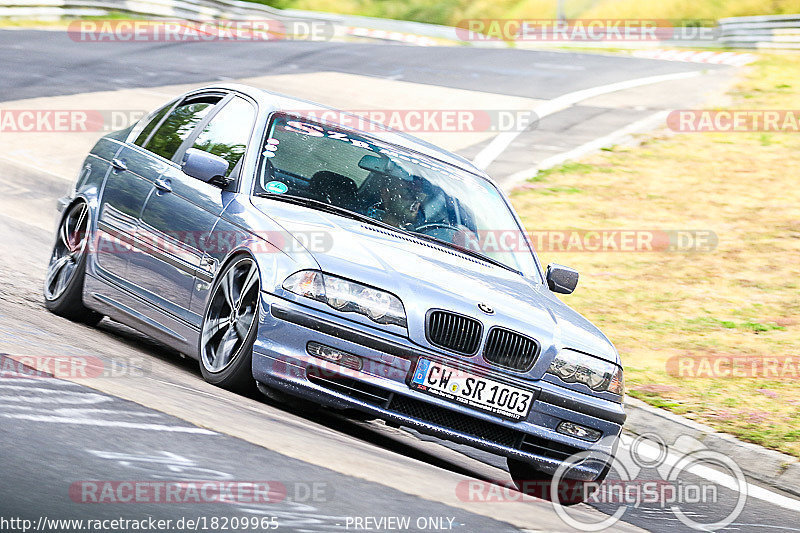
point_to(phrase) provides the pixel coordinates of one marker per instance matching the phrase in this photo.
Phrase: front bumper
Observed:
(280, 360)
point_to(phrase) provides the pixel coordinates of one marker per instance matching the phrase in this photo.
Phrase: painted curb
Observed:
(770, 467)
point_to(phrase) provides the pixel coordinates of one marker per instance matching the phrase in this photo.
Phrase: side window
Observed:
(228, 132)
(177, 127)
(142, 138)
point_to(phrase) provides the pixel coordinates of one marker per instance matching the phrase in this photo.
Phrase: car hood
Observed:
(427, 276)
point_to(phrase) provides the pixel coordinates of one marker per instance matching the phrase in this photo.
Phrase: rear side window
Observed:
(228, 132)
(148, 129)
(177, 128)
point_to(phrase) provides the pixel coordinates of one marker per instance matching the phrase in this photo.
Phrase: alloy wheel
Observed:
(230, 316)
(68, 251)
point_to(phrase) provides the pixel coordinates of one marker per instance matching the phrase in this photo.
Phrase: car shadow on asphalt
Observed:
(367, 431)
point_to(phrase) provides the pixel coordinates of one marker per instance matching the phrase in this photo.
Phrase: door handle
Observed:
(208, 263)
(119, 164)
(163, 185)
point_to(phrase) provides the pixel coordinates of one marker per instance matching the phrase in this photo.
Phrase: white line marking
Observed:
(65, 397)
(502, 141)
(83, 410)
(110, 423)
(33, 389)
(32, 381)
(652, 451)
(644, 124)
(782, 528)
(163, 457)
(76, 411)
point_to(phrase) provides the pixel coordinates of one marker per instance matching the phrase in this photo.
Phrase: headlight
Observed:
(598, 375)
(347, 296)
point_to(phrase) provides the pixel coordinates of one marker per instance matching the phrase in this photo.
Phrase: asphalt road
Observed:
(155, 420)
(47, 63)
(78, 473)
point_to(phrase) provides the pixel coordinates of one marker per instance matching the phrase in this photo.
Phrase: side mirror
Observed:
(204, 166)
(561, 279)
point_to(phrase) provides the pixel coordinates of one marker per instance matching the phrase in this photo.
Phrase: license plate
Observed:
(472, 390)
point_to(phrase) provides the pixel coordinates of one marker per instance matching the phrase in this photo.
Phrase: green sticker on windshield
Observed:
(277, 187)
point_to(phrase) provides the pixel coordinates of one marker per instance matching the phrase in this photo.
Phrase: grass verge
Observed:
(58, 23)
(451, 12)
(740, 300)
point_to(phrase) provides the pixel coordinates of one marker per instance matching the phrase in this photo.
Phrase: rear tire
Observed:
(63, 286)
(230, 326)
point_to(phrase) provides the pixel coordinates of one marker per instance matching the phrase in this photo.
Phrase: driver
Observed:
(400, 201)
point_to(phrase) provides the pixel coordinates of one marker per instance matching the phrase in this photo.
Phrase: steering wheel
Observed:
(436, 225)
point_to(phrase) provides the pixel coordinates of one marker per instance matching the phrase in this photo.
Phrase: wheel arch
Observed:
(273, 264)
(234, 255)
(72, 202)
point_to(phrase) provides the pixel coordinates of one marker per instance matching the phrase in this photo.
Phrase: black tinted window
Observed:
(177, 127)
(228, 132)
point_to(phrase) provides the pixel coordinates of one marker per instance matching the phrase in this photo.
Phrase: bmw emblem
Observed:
(486, 309)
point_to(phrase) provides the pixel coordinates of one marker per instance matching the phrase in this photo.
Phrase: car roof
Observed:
(289, 104)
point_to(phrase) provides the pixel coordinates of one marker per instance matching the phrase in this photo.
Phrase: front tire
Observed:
(63, 285)
(229, 328)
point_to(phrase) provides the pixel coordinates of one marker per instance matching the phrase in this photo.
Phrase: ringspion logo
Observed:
(644, 472)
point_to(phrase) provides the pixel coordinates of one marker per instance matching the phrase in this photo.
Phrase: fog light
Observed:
(579, 432)
(335, 356)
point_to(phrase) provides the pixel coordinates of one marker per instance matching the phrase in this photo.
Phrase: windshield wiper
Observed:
(461, 249)
(330, 208)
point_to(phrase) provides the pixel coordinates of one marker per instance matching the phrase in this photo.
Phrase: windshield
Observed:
(403, 189)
